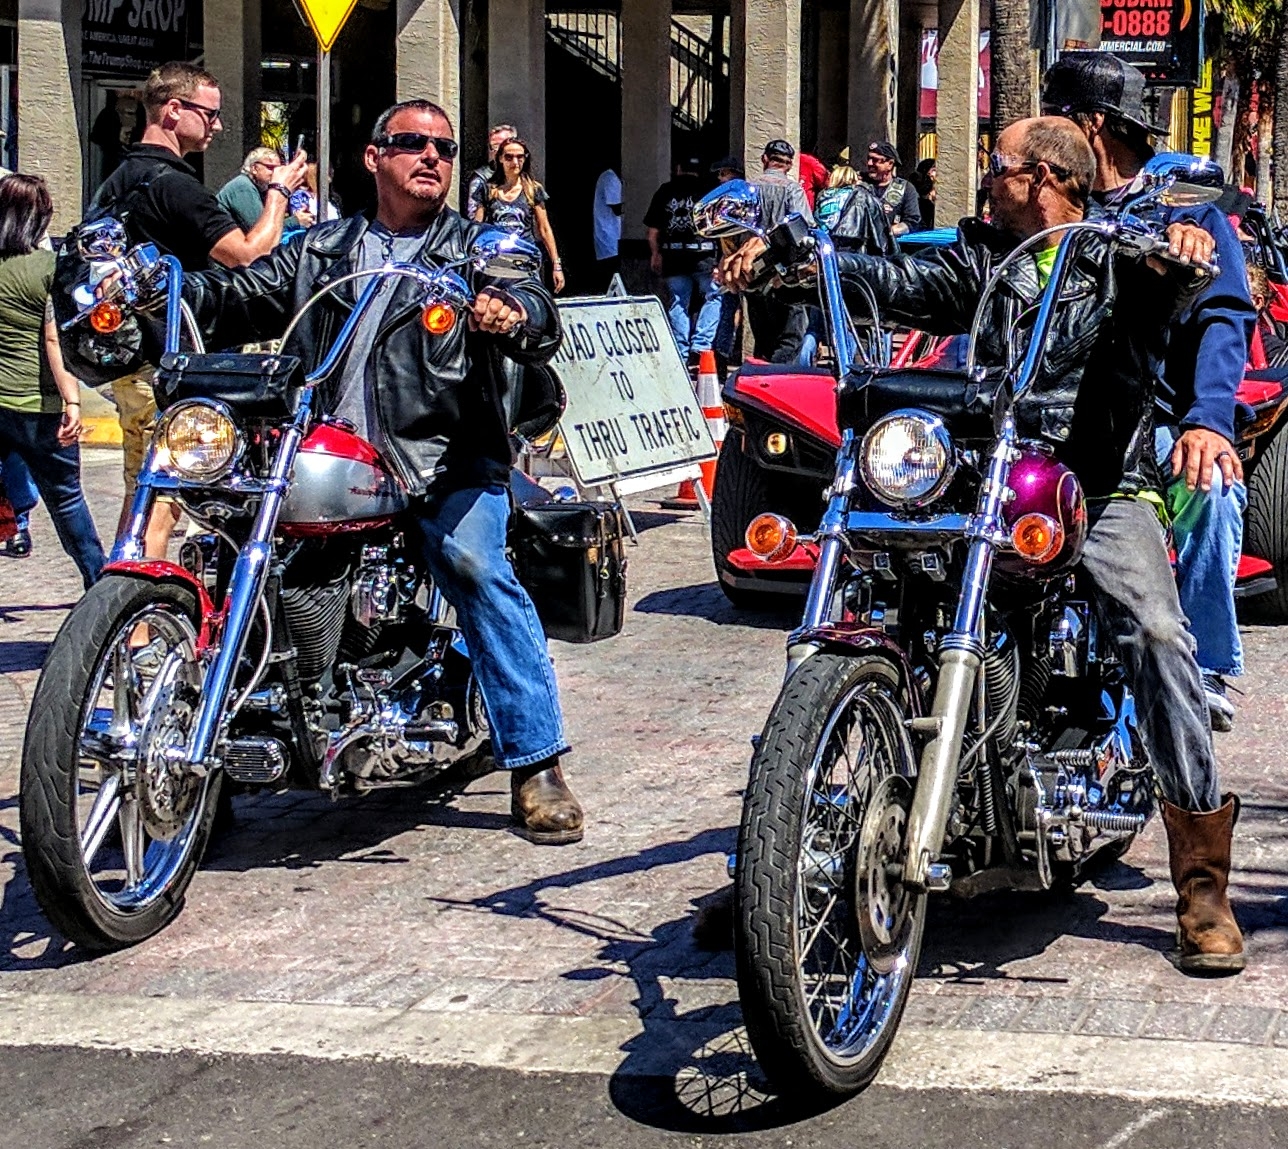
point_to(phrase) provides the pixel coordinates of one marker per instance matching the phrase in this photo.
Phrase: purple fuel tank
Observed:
(1045, 486)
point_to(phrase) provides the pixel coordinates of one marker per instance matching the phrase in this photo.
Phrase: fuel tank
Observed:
(340, 484)
(1045, 486)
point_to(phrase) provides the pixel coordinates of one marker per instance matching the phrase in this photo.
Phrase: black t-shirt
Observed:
(671, 212)
(168, 206)
(519, 217)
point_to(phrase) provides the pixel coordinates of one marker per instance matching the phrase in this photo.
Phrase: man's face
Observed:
(196, 118)
(261, 171)
(494, 142)
(405, 174)
(880, 169)
(1012, 193)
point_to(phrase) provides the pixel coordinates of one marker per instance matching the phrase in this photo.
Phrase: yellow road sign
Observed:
(326, 18)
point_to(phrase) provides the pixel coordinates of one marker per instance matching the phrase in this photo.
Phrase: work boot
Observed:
(541, 805)
(1198, 847)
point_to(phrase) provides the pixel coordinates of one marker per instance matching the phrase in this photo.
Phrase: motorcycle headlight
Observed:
(201, 440)
(907, 458)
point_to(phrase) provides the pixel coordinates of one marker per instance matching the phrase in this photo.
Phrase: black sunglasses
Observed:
(212, 116)
(417, 142)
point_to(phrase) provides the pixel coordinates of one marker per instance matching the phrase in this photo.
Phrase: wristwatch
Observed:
(286, 192)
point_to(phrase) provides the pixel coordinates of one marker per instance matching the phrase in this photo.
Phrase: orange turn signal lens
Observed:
(1037, 538)
(438, 318)
(106, 317)
(771, 538)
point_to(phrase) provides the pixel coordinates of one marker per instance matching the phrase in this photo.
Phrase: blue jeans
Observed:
(464, 534)
(701, 335)
(1207, 531)
(19, 488)
(56, 473)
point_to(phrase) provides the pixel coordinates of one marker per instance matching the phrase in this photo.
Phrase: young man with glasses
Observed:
(163, 202)
(439, 408)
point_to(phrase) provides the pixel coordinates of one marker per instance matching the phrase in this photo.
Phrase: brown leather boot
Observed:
(1199, 851)
(542, 807)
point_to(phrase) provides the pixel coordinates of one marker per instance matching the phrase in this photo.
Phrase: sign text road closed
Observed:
(631, 408)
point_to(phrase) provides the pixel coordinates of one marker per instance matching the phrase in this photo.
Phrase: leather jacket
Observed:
(862, 225)
(446, 403)
(1093, 400)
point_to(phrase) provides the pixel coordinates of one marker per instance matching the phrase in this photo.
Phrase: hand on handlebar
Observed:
(1197, 451)
(737, 271)
(1187, 244)
(496, 312)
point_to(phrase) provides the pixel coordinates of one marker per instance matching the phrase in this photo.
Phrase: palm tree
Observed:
(1281, 116)
(1012, 75)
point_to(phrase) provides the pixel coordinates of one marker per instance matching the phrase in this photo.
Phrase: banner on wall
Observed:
(930, 74)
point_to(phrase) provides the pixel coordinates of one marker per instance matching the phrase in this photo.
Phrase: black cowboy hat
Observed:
(1096, 82)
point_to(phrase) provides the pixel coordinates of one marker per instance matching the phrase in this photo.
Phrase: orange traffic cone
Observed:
(686, 497)
(713, 410)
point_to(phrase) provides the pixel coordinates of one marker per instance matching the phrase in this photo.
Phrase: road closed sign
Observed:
(631, 407)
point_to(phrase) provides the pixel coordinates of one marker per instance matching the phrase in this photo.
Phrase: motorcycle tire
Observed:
(785, 1011)
(82, 906)
(1266, 526)
(741, 493)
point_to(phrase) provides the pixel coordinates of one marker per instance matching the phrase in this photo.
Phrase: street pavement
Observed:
(408, 942)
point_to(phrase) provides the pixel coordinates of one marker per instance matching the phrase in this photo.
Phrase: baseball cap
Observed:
(729, 163)
(779, 150)
(1096, 82)
(885, 148)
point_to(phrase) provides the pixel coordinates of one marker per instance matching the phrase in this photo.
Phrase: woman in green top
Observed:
(40, 418)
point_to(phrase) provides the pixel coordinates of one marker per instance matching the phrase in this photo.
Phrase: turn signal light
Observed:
(438, 318)
(106, 317)
(771, 538)
(1037, 538)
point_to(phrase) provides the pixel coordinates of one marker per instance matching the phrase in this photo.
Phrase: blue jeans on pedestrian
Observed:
(700, 334)
(1207, 532)
(56, 472)
(19, 488)
(464, 535)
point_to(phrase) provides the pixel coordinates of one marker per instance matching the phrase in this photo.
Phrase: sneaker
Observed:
(1220, 708)
(19, 546)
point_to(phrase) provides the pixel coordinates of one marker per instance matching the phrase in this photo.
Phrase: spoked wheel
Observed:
(113, 824)
(826, 937)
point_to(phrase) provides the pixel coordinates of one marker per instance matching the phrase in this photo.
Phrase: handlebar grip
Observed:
(1152, 245)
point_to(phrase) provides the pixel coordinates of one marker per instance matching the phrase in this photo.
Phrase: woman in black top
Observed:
(517, 202)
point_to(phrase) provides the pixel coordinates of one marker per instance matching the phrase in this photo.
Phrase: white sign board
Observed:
(631, 407)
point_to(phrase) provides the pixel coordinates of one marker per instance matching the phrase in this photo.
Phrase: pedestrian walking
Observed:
(481, 176)
(20, 489)
(685, 260)
(898, 197)
(516, 202)
(606, 213)
(39, 397)
(162, 201)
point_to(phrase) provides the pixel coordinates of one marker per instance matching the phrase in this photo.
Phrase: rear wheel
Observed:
(1266, 525)
(113, 824)
(826, 939)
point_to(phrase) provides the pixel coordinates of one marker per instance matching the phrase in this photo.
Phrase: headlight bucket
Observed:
(201, 440)
(907, 458)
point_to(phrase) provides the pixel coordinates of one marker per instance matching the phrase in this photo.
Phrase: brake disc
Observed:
(884, 906)
(166, 789)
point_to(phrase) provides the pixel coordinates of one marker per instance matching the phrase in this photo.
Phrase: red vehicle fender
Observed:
(160, 570)
(799, 396)
(851, 638)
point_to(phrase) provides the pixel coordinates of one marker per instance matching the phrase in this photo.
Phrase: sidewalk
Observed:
(418, 921)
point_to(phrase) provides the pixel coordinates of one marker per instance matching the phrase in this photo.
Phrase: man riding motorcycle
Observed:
(1207, 355)
(439, 408)
(1093, 403)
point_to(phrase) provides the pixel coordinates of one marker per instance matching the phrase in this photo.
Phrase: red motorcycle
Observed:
(296, 642)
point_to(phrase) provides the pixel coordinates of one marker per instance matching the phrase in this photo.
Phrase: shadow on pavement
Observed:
(706, 600)
(22, 925)
(22, 655)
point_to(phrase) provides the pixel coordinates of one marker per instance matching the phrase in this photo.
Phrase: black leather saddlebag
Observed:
(966, 404)
(571, 559)
(266, 386)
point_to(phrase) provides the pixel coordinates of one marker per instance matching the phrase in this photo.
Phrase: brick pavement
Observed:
(423, 902)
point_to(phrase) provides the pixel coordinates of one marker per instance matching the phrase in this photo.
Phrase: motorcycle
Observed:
(952, 716)
(296, 642)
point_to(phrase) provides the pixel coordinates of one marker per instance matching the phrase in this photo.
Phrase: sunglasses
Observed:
(212, 116)
(1000, 165)
(444, 147)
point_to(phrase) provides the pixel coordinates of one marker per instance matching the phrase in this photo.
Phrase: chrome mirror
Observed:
(731, 209)
(102, 240)
(1178, 179)
(500, 254)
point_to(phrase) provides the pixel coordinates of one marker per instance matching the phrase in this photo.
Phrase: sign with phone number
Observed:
(1160, 37)
(631, 408)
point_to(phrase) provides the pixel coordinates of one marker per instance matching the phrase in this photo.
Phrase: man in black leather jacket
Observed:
(1093, 402)
(439, 407)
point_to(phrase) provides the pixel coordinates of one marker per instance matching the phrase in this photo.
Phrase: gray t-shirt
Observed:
(356, 400)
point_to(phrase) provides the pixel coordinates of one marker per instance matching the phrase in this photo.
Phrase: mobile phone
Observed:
(299, 143)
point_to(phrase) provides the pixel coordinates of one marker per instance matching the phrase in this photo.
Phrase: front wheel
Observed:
(113, 824)
(826, 940)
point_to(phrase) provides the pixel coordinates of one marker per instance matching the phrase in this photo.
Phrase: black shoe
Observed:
(19, 547)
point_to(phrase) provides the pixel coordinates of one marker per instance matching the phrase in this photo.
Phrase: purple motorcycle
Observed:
(951, 714)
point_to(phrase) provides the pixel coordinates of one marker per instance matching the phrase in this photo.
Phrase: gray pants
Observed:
(1135, 592)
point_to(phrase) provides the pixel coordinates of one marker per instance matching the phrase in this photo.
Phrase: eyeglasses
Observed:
(212, 116)
(1000, 164)
(444, 147)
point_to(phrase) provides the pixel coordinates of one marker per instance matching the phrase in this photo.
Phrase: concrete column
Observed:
(646, 107)
(957, 119)
(429, 59)
(873, 69)
(50, 116)
(233, 53)
(769, 48)
(516, 87)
